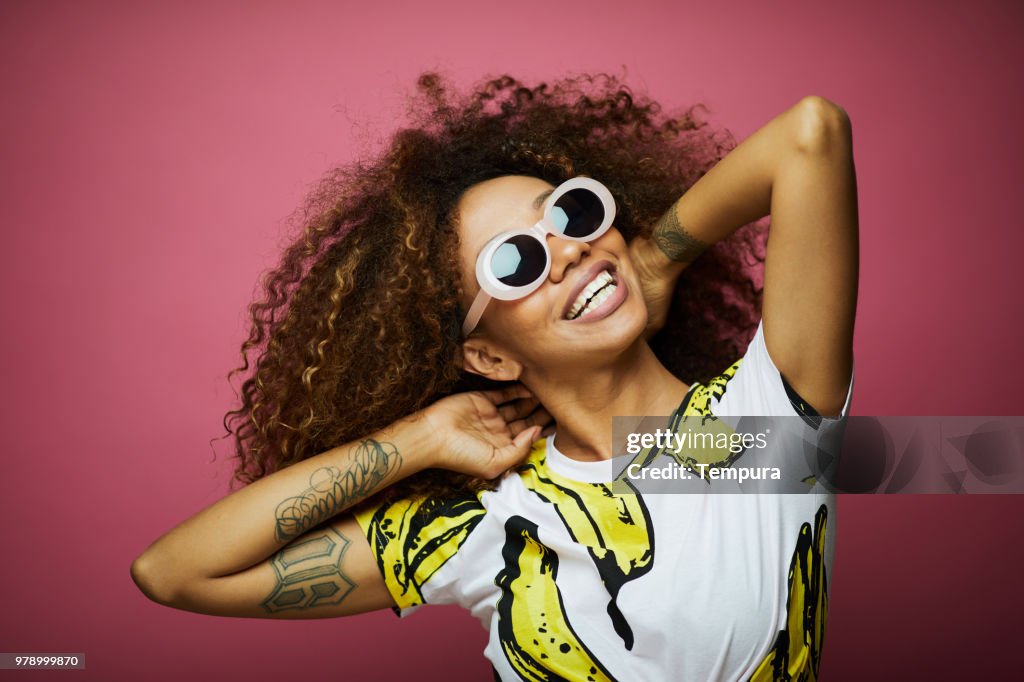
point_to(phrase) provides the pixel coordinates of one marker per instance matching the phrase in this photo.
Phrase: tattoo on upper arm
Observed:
(309, 573)
(674, 241)
(332, 489)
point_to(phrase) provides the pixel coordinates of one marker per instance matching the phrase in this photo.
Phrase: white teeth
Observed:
(602, 281)
(597, 300)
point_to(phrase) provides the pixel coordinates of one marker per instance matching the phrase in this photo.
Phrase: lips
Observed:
(583, 280)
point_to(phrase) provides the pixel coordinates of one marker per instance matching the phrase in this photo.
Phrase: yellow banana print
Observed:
(797, 651)
(615, 528)
(534, 630)
(413, 538)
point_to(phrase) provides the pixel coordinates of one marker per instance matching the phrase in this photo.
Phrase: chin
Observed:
(621, 333)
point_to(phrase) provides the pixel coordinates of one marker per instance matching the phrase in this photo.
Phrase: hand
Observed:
(485, 433)
(657, 275)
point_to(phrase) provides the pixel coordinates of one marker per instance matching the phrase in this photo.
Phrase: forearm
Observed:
(249, 525)
(738, 189)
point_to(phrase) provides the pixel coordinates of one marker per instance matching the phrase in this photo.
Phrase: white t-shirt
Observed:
(573, 581)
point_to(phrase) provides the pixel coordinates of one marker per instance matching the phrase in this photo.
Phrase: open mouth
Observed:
(596, 292)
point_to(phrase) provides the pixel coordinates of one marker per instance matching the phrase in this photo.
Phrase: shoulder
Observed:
(412, 538)
(410, 518)
(753, 385)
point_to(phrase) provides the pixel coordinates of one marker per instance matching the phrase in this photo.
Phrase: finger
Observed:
(521, 444)
(518, 409)
(548, 430)
(503, 395)
(512, 455)
(540, 417)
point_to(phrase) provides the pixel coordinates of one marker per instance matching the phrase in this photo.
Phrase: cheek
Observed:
(532, 312)
(612, 240)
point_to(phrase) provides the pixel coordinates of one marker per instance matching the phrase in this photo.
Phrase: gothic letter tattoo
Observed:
(674, 241)
(309, 573)
(332, 489)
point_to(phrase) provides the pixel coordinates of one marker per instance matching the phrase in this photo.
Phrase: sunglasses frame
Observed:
(491, 287)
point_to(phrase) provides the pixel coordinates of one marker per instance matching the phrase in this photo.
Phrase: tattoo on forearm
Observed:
(332, 489)
(309, 573)
(674, 241)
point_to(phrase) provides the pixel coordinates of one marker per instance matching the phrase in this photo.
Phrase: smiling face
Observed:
(554, 329)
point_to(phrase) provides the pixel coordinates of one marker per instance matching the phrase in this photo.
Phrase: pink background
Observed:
(151, 154)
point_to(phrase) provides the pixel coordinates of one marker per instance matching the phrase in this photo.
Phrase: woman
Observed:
(480, 245)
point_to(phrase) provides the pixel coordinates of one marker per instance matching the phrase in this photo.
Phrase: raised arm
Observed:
(274, 549)
(799, 168)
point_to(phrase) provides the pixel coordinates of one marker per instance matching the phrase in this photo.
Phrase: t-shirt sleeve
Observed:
(757, 388)
(413, 541)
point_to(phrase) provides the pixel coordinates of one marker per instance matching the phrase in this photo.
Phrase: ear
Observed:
(481, 358)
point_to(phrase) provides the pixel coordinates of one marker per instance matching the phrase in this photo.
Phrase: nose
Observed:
(565, 253)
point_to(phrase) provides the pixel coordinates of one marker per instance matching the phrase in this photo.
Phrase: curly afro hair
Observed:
(359, 324)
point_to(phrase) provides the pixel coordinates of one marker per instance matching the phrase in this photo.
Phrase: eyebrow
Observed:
(541, 197)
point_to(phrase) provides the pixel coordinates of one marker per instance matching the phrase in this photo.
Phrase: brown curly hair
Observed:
(360, 322)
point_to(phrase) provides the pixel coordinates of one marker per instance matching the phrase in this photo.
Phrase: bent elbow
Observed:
(151, 581)
(822, 126)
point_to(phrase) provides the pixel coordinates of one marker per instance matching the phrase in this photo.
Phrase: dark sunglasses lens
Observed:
(519, 261)
(578, 213)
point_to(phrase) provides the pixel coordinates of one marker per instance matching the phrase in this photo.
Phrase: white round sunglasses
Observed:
(515, 263)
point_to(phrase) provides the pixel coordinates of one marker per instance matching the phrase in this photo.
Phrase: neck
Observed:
(583, 403)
